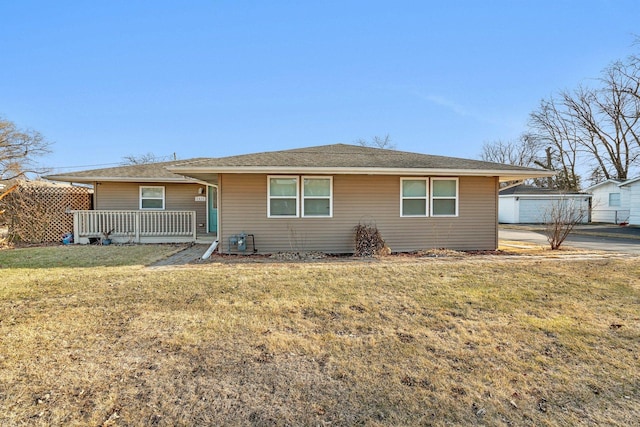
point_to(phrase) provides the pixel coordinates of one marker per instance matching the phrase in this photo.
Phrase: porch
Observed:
(135, 226)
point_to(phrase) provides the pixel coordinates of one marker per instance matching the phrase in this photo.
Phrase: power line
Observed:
(123, 163)
(84, 166)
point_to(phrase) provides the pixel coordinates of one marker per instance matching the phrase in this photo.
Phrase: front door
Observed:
(212, 197)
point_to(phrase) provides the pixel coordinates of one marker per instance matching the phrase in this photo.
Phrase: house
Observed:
(609, 202)
(630, 191)
(522, 204)
(307, 199)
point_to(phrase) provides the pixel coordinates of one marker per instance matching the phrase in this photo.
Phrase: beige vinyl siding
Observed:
(359, 198)
(126, 196)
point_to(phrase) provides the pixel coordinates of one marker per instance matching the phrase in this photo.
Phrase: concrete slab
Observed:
(185, 256)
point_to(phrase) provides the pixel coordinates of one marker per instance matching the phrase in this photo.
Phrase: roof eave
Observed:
(603, 183)
(546, 196)
(505, 175)
(90, 179)
(629, 182)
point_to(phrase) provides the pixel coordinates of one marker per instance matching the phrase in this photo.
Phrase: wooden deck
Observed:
(136, 226)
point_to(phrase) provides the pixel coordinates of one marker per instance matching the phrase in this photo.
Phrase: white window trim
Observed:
(330, 197)
(152, 198)
(426, 197)
(269, 197)
(457, 198)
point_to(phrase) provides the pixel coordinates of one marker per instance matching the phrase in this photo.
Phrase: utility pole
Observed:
(547, 166)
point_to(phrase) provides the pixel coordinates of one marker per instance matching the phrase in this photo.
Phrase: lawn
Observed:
(90, 336)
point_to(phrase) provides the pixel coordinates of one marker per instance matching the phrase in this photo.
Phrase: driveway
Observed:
(594, 237)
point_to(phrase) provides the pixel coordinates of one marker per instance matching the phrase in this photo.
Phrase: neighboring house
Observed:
(522, 204)
(312, 198)
(631, 191)
(609, 202)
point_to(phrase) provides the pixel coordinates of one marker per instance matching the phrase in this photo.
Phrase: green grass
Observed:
(470, 341)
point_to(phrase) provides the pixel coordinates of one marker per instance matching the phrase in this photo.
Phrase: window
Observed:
(284, 193)
(614, 199)
(413, 197)
(283, 196)
(317, 196)
(152, 198)
(444, 196)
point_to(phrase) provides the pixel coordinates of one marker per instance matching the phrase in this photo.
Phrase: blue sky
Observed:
(107, 79)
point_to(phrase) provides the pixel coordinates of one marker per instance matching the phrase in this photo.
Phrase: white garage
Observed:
(531, 205)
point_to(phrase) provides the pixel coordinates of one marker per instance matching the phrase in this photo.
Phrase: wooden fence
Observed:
(38, 212)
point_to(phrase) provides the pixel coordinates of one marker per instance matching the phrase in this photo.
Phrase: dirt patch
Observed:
(506, 252)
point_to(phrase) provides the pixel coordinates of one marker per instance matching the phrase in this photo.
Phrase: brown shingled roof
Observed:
(150, 172)
(352, 159)
(336, 158)
(346, 156)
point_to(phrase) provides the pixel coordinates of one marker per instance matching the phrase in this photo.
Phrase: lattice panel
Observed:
(42, 213)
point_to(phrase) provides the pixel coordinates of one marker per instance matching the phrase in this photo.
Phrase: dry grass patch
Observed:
(84, 256)
(462, 341)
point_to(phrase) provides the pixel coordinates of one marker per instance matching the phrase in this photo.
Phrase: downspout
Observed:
(496, 210)
(219, 201)
(94, 198)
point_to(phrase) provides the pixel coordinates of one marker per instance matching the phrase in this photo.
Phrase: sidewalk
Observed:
(185, 256)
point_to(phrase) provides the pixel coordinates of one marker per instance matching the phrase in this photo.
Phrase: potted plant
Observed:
(106, 239)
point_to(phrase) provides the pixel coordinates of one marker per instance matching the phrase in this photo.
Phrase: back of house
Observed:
(305, 199)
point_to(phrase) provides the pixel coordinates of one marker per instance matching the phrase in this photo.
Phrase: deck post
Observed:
(193, 225)
(76, 226)
(137, 226)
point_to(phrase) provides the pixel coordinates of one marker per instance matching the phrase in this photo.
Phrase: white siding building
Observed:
(631, 191)
(531, 205)
(610, 202)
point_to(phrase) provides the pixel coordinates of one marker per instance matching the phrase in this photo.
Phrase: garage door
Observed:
(533, 211)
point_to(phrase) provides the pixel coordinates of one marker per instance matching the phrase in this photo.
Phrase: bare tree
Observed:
(144, 159)
(18, 149)
(594, 127)
(629, 73)
(554, 129)
(607, 119)
(377, 142)
(522, 152)
(525, 151)
(560, 219)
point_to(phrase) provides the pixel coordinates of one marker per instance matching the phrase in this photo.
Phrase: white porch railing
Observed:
(135, 226)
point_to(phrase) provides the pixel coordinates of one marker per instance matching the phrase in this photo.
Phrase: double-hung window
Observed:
(444, 196)
(283, 196)
(299, 196)
(413, 197)
(428, 197)
(614, 199)
(317, 196)
(152, 197)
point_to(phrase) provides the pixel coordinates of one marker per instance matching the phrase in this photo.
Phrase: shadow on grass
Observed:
(79, 256)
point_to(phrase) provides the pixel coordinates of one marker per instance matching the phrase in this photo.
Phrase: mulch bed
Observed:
(314, 256)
